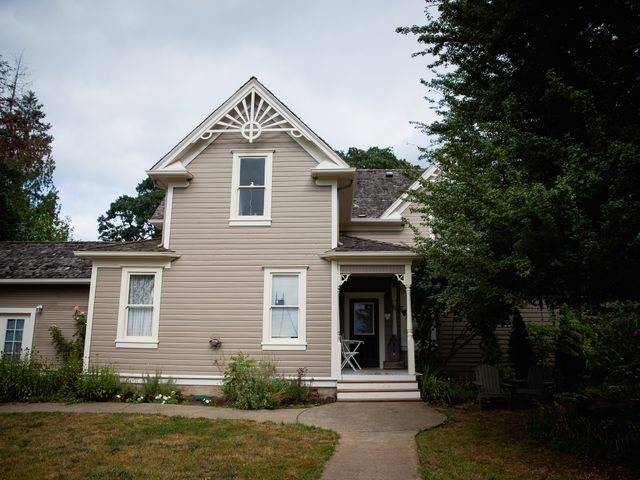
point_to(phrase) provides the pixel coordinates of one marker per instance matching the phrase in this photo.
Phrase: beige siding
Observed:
(471, 355)
(216, 287)
(404, 236)
(57, 303)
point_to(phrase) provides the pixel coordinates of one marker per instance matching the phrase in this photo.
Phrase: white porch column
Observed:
(336, 349)
(411, 351)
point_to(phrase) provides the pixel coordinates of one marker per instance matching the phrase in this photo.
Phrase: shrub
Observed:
(520, 350)
(543, 340)
(70, 350)
(591, 426)
(436, 388)
(250, 385)
(154, 385)
(26, 380)
(99, 384)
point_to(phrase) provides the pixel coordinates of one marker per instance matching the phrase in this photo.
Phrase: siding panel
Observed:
(216, 287)
(57, 302)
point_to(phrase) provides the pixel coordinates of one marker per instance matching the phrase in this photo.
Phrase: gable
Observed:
(252, 111)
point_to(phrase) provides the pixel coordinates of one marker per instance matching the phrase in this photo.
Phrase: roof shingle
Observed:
(55, 260)
(375, 190)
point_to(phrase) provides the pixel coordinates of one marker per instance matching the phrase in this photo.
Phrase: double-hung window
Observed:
(251, 189)
(284, 320)
(139, 307)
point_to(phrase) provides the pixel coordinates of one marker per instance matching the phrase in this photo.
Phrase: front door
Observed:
(364, 327)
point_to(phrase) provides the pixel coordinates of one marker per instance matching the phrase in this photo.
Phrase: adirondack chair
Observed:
(349, 352)
(488, 382)
(536, 382)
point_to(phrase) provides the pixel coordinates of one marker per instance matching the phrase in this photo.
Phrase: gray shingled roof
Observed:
(374, 190)
(55, 260)
(158, 215)
(355, 244)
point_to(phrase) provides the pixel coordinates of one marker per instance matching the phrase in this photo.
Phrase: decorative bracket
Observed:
(343, 278)
(402, 279)
(251, 117)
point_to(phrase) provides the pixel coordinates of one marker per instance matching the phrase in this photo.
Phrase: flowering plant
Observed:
(215, 343)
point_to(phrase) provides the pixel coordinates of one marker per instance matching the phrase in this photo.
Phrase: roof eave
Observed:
(45, 281)
(381, 255)
(173, 177)
(93, 255)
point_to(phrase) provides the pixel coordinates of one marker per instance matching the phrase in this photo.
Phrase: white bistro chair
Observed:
(349, 352)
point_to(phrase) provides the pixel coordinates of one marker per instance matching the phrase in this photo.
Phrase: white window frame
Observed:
(29, 317)
(235, 218)
(127, 341)
(300, 343)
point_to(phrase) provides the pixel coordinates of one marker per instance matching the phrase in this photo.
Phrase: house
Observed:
(270, 243)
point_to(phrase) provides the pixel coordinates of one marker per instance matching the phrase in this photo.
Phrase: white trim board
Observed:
(216, 380)
(177, 153)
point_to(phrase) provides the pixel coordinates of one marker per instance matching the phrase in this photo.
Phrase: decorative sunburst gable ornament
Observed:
(252, 116)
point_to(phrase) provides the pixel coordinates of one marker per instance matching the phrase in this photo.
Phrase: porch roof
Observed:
(350, 247)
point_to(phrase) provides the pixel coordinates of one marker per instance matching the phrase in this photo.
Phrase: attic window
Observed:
(251, 189)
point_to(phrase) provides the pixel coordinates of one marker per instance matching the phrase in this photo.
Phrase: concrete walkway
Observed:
(377, 439)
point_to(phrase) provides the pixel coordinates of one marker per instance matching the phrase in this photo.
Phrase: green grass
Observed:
(123, 446)
(495, 445)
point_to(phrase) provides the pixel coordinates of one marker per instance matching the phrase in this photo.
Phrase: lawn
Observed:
(123, 446)
(494, 444)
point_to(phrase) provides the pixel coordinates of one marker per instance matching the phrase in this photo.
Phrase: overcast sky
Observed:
(123, 81)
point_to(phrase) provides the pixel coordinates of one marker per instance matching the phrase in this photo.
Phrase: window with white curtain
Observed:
(284, 322)
(139, 308)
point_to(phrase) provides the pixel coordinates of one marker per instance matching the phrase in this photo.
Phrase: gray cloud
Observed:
(122, 82)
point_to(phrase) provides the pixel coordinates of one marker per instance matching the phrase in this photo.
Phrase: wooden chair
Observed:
(349, 352)
(536, 383)
(489, 386)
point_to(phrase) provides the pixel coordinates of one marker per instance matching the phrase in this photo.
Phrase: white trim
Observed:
(336, 351)
(128, 255)
(45, 281)
(401, 204)
(253, 85)
(411, 350)
(334, 214)
(90, 309)
(348, 296)
(216, 380)
(29, 316)
(269, 343)
(284, 346)
(168, 209)
(359, 256)
(255, 220)
(128, 344)
(249, 223)
(135, 341)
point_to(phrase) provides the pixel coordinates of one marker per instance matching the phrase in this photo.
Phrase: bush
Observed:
(591, 425)
(99, 384)
(26, 380)
(155, 385)
(251, 385)
(436, 388)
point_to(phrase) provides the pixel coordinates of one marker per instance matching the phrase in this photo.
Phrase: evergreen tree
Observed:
(29, 204)
(128, 217)
(539, 148)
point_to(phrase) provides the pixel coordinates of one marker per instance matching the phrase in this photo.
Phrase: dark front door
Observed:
(364, 326)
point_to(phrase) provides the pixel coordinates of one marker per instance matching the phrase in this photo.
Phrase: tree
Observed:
(128, 217)
(29, 203)
(374, 157)
(539, 149)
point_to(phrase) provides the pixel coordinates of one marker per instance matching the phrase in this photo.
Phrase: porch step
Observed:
(378, 388)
